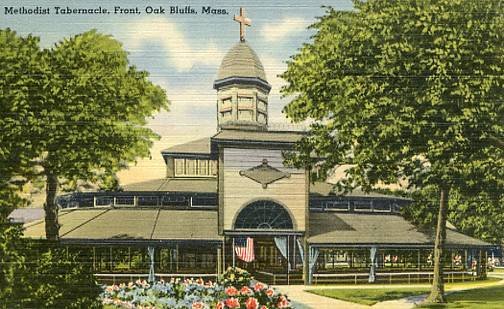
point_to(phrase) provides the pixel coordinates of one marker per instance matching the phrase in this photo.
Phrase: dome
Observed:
(241, 61)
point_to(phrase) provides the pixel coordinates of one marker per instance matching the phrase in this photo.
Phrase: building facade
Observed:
(234, 185)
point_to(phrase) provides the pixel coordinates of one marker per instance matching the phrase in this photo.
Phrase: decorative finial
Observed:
(244, 21)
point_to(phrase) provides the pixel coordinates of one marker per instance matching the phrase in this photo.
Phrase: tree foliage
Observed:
(20, 69)
(479, 215)
(91, 120)
(404, 90)
(75, 112)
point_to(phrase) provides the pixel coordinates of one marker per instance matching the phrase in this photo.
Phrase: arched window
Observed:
(263, 215)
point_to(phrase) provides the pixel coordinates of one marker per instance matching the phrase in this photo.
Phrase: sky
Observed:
(182, 53)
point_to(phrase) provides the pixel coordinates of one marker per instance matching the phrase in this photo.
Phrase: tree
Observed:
(20, 68)
(91, 120)
(23, 265)
(19, 75)
(479, 213)
(404, 90)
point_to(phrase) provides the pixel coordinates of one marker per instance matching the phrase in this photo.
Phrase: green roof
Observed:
(258, 136)
(354, 229)
(205, 185)
(241, 61)
(199, 146)
(123, 224)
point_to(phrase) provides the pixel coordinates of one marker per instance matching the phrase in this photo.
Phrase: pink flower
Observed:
(220, 305)
(246, 291)
(251, 303)
(231, 291)
(270, 292)
(264, 307)
(283, 302)
(232, 303)
(259, 286)
(198, 305)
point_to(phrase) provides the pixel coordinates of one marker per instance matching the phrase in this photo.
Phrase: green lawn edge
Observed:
(490, 297)
(367, 295)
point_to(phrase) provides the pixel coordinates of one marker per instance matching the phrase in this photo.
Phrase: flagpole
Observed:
(234, 258)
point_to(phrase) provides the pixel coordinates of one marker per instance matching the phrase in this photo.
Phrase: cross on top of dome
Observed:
(243, 21)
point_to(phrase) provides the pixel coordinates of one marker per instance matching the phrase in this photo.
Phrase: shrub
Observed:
(235, 289)
(50, 277)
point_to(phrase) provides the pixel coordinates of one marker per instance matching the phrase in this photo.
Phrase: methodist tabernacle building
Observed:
(229, 199)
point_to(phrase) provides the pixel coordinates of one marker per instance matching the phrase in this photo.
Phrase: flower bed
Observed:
(235, 289)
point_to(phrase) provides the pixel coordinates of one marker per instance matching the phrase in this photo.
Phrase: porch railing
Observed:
(124, 278)
(391, 277)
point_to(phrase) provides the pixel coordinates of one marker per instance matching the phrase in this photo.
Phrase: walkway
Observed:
(304, 300)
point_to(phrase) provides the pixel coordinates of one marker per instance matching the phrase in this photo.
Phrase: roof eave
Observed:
(255, 81)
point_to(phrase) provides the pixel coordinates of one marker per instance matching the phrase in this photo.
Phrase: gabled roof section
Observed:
(199, 146)
(249, 136)
(357, 229)
(121, 225)
(204, 185)
(25, 215)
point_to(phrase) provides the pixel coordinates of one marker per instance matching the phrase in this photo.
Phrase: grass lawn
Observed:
(489, 281)
(487, 298)
(369, 296)
(499, 270)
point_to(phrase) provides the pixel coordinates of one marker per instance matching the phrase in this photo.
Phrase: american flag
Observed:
(244, 249)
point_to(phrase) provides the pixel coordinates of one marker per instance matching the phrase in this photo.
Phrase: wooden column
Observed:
(111, 263)
(129, 258)
(177, 257)
(233, 253)
(170, 257)
(306, 264)
(294, 253)
(94, 258)
(465, 260)
(484, 265)
(288, 260)
(218, 260)
(224, 255)
(419, 260)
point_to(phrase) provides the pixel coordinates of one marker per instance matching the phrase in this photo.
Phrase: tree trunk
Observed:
(437, 290)
(51, 208)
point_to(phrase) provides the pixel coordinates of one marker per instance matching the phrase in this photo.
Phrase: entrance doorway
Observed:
(275, 261)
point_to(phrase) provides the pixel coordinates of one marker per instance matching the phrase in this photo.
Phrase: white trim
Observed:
(326, 208)
(370, 209)
(124, 205)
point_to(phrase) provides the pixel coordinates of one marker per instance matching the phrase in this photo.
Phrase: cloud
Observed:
(165, 34)
(274, 32)
(274, 67)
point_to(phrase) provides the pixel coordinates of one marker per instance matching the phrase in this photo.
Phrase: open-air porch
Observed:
(124, 244)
